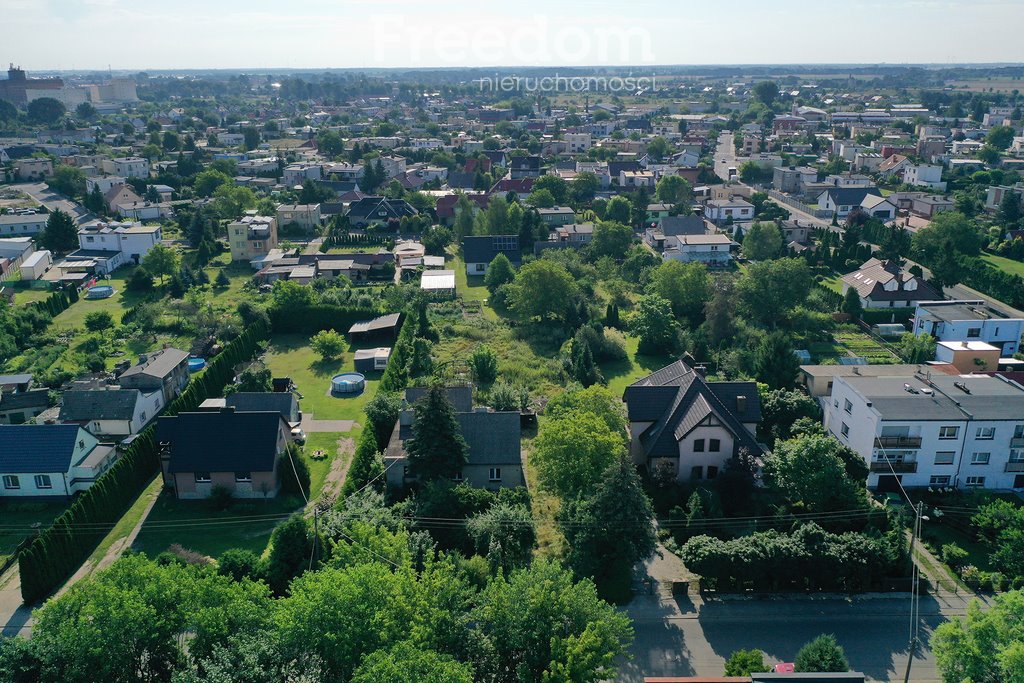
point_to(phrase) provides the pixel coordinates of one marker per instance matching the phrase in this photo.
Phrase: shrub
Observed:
(239, 563)
(220, 498)
(483, 363)
(953, 555)
(328, 344)
(222, 279)
(97, 321)
(614, 346)
(140, 281)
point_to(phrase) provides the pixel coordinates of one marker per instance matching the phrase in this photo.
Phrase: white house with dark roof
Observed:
(50, 460)
(885, 284)
(111, 410)
(680, 421)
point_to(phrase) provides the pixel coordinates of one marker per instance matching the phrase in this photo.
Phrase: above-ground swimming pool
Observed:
(100, 292)
(347, 383)
(196, 364)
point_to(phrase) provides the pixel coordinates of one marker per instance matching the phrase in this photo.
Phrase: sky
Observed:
(254, 34)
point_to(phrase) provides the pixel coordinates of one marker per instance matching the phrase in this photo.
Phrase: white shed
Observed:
(33, 267)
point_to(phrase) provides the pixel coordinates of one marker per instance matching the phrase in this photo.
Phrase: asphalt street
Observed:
(44, 195)
(692, 637)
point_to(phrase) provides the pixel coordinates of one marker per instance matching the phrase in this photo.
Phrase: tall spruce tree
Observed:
(437, 449)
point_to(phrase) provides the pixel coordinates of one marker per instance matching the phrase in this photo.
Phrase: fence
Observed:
(796, 204)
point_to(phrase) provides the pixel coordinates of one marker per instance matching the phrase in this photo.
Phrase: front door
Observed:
(1018, 481)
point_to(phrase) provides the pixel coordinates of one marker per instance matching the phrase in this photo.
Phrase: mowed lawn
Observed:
(17, 519)
(289, 355)
(621, 373)
(116, 305)
(1005, 264)
(193, 524)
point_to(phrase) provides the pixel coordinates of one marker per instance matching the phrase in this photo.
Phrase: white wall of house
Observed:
(946, 454)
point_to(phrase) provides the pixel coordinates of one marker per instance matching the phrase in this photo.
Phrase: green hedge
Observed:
(61, 549)
(312, 319)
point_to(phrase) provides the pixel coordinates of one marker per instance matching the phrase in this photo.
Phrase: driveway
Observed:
(310, 425)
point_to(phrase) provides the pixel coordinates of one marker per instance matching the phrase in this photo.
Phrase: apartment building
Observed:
(927, 429)
(252, 236)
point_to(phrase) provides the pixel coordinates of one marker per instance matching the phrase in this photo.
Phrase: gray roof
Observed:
(224, 441)
(158, 364)
(99, 404)
(682, 225)
(990, 398)
(951, 311)
(384, 322)
(461, 397)
(261, 402)
(33, 398)
(23, 378)
(675, 399)
(493, 438)
(36, 448)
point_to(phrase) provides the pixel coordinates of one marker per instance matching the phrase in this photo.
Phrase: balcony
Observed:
(1017, 442)
(897, 442)
(883, 467)
(1014, 466)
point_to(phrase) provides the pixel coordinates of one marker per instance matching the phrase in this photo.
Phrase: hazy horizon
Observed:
(92, 35)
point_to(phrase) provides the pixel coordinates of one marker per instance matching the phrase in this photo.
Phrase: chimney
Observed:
(741, 404)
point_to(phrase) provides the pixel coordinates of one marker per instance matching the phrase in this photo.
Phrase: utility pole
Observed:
(912, 648)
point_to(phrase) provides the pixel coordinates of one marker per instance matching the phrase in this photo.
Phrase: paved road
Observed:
(725, 155)
(52, 200)
(691, 637)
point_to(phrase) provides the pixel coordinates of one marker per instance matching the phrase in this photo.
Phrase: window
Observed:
(1017, 455)
(457, 476)
(980, 458)
(494, 474)
(847, 406)
(985, 433)
(11, 482)
(698, 445)
(143, 415)
(845, 429)
(243, 476)
(947, 433)
(696, 473)
(944, 457)
(43, 481)
(714, 445)
(974, 333)
(939, 480)
(712, 472)
(480, 267)
(1018, 432)
(202, 477)
(975, 481)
